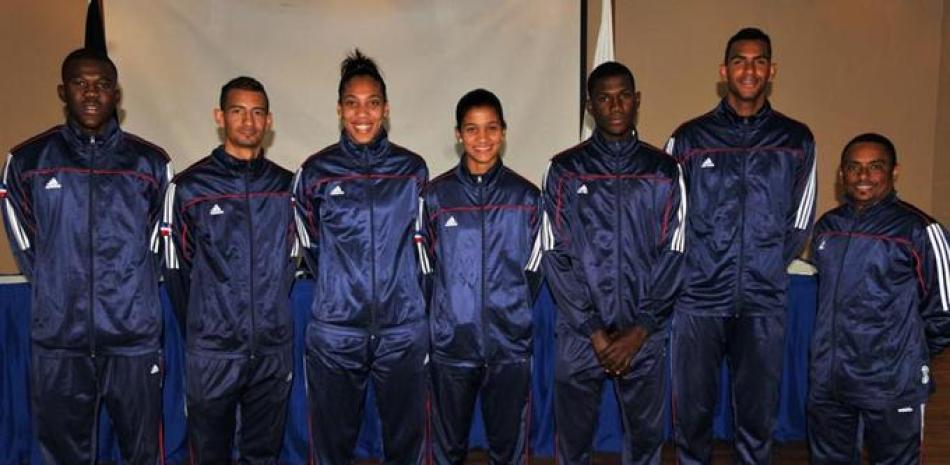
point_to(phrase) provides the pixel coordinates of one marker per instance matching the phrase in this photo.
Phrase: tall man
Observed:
(230, 271)
(750, 172)
(883, 312)
(81, 203)
(614, 210)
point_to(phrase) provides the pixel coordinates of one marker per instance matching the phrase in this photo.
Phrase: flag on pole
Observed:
(603, 52)
(95, 27)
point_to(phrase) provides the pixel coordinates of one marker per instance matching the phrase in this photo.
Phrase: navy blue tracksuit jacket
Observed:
(358, 209)
(614, 233)
(482, 232)
(82, 216)
(883, 312)
(229, 272)
(751, 187)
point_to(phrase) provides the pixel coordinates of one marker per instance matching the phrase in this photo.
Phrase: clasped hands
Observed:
(616, 350)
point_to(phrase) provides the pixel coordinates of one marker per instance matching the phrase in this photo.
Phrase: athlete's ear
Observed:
(219, 117)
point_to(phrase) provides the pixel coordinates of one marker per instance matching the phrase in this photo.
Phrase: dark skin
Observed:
(613, 104)
(91, 93)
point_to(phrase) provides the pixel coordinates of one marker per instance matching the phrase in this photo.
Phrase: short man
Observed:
(883, 312)
(230, 279)
(750, 173)
(614, 211)
(82, 203)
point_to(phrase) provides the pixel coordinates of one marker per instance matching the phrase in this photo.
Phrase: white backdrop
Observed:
(174, 55)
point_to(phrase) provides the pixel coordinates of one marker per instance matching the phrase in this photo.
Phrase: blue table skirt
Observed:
(18, 447)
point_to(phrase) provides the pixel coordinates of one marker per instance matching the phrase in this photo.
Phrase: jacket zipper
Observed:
(92, 254)
(738, 297)
(250, 238)
(372, 246)
(481, 203)
(834, 315)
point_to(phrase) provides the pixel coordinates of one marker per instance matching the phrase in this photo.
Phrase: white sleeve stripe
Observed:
(942, 255)
(679, 235)
(19, 234)
(670, 143)
(808, 199)
(168, 217)
(301, 230)
(534, 262)
(420, 246)
(547, 235)
(22, 240)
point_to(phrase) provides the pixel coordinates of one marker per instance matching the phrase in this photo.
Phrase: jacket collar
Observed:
(487, 179)
(108, 137)
(872, 209)
(615, 148)
(235, 164)
(751, 122)
(367, 154)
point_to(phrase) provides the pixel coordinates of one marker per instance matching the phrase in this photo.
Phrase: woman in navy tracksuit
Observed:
(481, 222)
(357, 207)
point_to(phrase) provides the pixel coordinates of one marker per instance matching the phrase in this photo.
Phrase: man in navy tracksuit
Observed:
(883, 312)
(357, 205)
(81, 203)
(750, 173)
(482, 221)
(230, 270)
(614, 233)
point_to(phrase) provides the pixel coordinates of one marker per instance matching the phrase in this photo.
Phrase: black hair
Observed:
(872, 138)
(356, 64)
(86, 54)
(475, 99)
(605, 70)
(749, 33)
(242, 83)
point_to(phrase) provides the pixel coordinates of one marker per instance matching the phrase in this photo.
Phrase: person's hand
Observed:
(618, 355)
(600, 341)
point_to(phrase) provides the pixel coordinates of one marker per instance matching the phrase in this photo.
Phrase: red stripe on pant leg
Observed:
(527, 432)
(428, 437)
(161, 443)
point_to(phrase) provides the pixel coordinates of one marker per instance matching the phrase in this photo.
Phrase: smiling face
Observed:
(362, 109)
(867, 174)
(90, 92)
(482, 134)
(613, 103)
(747, 72)
(245, 120)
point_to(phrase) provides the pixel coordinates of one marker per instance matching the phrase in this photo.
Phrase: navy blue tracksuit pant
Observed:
(68, 391)
(340, 363)
(505, 391)
(641, 394)
(837, 430)
(754, 347)
(216, 385)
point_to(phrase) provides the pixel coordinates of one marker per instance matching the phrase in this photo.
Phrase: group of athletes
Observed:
(426, 287)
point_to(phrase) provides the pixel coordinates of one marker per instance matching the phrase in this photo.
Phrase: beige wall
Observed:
(844, 67)
(941, 172)
(37, 35)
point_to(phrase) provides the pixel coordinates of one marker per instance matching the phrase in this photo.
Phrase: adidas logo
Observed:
(290, 376)
(821, 246)
(905, 410)
(924, 374)
(582, 189)
(53, 184)
(708, 163)
(216, 210)
(154, 370)
(451, 223)
(337, 190)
